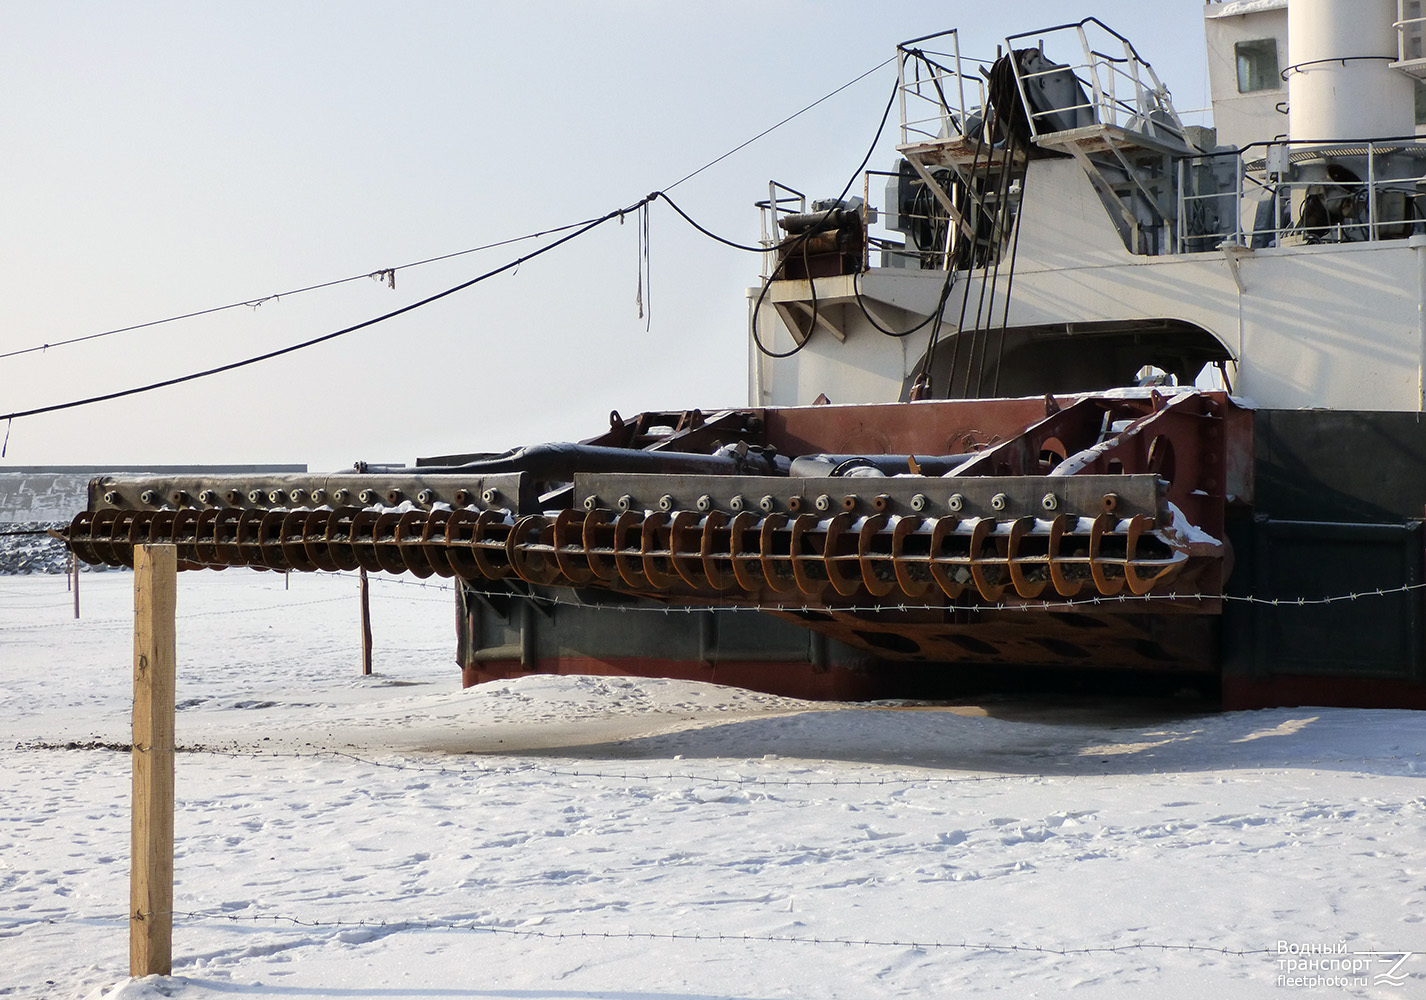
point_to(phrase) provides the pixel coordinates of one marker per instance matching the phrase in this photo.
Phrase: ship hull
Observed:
(1336, 512)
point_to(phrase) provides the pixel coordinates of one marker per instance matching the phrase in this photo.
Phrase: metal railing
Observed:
(1264, 195)
(891, 244)
(780, 198)
(932, 88)
(885, 246)
(1120, 89)
(1410, 32)
(1295, 193)
(887, 240)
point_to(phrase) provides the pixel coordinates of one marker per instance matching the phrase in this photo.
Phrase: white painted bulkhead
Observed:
(1336, 326)
(1245, 108)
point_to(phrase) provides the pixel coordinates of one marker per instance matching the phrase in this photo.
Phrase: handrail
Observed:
(770, 211)
(1080, 25)
(1101, 75)
(1409, 29)
(1367, 202)
(927, 110)
(1297, 67)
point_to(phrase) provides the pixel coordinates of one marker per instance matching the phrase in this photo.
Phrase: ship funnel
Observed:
(1340, 81)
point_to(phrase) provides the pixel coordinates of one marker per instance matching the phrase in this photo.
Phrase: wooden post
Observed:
(151, 871)
(365, 627)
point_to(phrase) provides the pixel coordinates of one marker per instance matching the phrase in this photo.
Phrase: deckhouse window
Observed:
(1257, 65)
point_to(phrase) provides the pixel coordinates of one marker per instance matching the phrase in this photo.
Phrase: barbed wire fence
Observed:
(709, 937)
(514, 926)
(556, 601)
(1029, 605)
(486, 765)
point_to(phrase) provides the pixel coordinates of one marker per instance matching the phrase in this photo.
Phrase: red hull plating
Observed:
(1292, 690)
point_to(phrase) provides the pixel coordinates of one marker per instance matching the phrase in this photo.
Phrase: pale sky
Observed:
(163, 158)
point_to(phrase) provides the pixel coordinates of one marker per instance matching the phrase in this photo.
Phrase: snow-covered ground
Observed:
(575, 838)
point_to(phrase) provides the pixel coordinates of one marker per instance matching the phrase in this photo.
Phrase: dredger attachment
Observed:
(946, 530)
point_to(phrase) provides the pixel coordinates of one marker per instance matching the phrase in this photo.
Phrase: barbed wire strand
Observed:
(526, 766)
(807, 608)
(710, 937)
